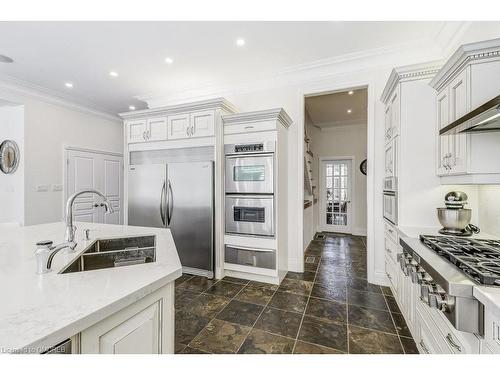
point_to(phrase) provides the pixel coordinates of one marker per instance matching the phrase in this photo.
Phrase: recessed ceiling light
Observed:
(6, 59)
(351, 92)
(68, 85)
(169, 60)
(131, 107)
(349, 111)
(240, 42)
(113, 74)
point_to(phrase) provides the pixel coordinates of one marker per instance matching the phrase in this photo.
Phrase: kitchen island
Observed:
(128, 309)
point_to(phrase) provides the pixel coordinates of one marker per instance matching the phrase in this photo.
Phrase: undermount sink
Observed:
(116, 252)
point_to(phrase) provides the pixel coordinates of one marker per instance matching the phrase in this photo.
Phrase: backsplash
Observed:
(489, 209)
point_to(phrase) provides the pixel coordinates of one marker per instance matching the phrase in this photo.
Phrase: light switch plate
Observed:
(41, 188)
(57, 187)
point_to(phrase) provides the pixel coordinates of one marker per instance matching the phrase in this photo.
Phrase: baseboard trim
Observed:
(359, 232)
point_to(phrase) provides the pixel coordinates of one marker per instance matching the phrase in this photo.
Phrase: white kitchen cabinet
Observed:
(202, 124)
(145, 327)
(392, 115)
(391, 158)
(178, 126)
(466, 81)
(491, 342)
(136, 131)
(145, 130)
(156, 129)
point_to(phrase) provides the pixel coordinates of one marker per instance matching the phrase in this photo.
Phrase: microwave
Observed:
(390, 197)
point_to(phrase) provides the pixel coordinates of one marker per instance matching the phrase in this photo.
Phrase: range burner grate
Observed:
(479, 259)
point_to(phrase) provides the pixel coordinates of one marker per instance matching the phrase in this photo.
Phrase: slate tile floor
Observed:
(329, 309)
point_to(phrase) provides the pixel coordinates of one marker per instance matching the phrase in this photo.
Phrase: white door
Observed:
(336, 186)
(93, 170)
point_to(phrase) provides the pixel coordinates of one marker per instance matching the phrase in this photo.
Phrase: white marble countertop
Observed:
(39, 311)
(489, 296)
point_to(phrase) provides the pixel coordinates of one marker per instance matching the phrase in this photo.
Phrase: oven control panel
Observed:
(254, 147)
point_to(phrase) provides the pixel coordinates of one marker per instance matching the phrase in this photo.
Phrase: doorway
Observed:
(336, 195)
(335, 153)
(102, 171)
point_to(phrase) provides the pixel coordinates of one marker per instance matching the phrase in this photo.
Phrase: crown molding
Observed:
(467, 54)
(409, 73)
(215, 103)
(22, 88)
(300, 74)
(275, 114)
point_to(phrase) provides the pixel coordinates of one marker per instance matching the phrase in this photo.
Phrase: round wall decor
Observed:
(9, 156)
(362, 167)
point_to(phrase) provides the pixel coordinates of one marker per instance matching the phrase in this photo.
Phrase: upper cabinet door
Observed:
(442, 141)
(459, 106)
(388, 119)
(178, 126)
(203, 124)
(391, 159)
(157, 129)
(395, 113)
(136, 131)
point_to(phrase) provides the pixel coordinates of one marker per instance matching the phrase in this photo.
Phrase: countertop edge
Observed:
(96, 316)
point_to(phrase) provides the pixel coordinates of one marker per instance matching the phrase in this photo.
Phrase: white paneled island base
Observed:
(127, 309)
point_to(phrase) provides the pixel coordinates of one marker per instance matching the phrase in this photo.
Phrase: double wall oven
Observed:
(249, 187)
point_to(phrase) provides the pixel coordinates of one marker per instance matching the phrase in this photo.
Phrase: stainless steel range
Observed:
(447, 269)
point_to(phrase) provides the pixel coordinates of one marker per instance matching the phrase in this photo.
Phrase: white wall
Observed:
(49, 125)
(12, 185)
(489, 209)
(339, 141)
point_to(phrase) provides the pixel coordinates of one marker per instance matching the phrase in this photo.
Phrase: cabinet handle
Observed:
(249, 127)
(388, 250)
(144, 135)
(454, 345)
(192, 130)
(389, 276)
(424, 347)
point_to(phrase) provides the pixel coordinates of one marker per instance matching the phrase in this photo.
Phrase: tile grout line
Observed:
(307, 304)
(256, 320)
(395, 327)
(211, 320)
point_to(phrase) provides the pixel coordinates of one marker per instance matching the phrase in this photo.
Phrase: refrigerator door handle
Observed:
(170, 203)
(162, 199)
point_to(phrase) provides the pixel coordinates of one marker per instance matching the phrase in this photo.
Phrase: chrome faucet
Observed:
(70, 228)
(45, 252)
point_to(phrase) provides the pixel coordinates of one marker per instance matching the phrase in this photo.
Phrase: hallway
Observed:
(328, 309)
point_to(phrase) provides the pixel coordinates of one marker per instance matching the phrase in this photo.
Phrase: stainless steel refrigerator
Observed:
(178, 196)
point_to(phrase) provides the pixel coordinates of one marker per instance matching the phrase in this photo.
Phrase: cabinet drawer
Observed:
(392, 274)
(391, 250)
(426, 342)
(261, 258)
(391, 232)
(250, 127)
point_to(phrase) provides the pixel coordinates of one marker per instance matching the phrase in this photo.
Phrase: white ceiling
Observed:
(326, 111)
(48, 54)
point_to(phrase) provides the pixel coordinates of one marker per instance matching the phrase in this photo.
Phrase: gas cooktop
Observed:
(479, 259)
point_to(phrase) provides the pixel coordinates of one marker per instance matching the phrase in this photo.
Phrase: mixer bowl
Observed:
(454, 219)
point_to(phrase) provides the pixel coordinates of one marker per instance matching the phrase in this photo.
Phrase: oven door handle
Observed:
(244, 248)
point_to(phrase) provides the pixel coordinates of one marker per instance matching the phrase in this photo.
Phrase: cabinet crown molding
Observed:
(275, 114)
(465, 55)
(216, 103)
(409, 73)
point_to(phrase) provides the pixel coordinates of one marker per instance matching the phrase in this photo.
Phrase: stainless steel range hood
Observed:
(485, 118)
